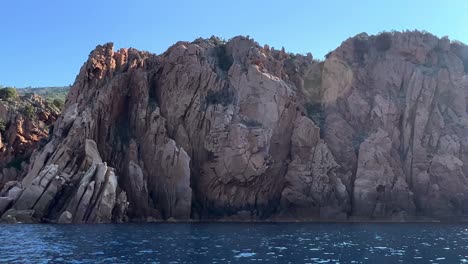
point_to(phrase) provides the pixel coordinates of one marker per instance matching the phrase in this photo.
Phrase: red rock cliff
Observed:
(231, 130)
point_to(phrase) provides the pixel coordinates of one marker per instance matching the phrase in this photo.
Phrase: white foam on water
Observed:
(281, 248)
(316, 249)
(146, 251)
(245, 255)
(323, 261)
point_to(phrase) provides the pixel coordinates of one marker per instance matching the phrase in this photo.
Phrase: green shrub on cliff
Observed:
(8, 93)
(251, 123)
(223, 97)
(383, 41)
(47, 93)
(16, 163)
(316, 113)
(58, 103)
(29, 111)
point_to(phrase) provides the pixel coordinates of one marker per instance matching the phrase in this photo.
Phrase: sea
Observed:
(235, 243)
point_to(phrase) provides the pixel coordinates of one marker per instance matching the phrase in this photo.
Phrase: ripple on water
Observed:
(234, 243)
(245, 255)
(281, 248)
(381, 248)
(316, 249)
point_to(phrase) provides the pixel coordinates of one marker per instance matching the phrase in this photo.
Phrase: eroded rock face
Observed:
(24, 125)
(231, 130)
(202, 131)
(396, 121)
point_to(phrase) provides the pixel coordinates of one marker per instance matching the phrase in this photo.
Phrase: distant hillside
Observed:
(48, 93)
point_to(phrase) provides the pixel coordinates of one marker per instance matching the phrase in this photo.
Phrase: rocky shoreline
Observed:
(217, 130)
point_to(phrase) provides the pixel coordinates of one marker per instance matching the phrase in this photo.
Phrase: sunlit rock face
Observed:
(234, 131)
(25, 122)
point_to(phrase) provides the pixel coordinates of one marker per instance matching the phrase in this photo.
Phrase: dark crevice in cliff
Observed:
(224, 58)
(121, 131)
(194, 97)
(153, 90)
(61, 200)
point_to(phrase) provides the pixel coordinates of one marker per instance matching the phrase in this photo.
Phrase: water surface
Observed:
(235, 243)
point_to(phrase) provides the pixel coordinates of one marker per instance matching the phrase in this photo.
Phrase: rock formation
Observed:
(24, 125)
(236, 131)
(396, 122)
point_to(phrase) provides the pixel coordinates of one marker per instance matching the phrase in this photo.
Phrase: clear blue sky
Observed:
(44, 43)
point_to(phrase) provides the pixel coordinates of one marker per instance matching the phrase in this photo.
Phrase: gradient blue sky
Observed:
(44, 43)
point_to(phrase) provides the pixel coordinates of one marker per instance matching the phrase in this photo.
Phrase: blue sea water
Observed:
(235, 243)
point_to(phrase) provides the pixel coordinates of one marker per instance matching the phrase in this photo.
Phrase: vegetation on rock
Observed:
(8, 93)
(50, 94)
(58, 103)
(383, 41)
(29, 111)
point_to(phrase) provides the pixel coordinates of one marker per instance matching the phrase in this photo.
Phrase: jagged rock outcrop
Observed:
(24, 125)
(231, 130)
(81, 191)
